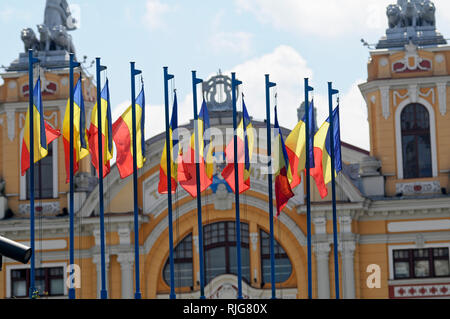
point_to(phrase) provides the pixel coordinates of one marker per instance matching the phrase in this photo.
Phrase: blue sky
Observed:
(290, 39)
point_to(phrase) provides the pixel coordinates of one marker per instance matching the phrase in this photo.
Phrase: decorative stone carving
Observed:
(322, 250)
(57, 12)
(418, 188)
(411, 13)
(46, 209)
(413, 95)
(420, 241)
(223, 198)
(411, 20)
(11, 118)
(54, 42)
(217, 91)
(84, 182)
(62, 40)
(345, 223)
(124, 235)
(320, 225)
(226, 291)
(385, 101)
(29, 39)
(442, 96)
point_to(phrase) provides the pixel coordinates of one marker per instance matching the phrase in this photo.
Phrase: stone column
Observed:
(98, 261)
(322, 251)
(126, 261)
(347, 249)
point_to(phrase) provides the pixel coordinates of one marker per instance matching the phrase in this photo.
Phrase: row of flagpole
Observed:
(196, 81)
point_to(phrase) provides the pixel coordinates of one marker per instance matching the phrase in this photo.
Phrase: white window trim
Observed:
(398, 135)
(43, 265)
(391, 249)
(23, 179)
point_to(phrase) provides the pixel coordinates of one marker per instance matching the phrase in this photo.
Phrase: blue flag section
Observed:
(312, 132)
(337, 141)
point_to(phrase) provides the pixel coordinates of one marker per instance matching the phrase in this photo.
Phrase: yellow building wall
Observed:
(373, 254)
(383, 131)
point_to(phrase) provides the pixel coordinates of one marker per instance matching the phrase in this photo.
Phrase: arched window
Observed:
(283, 266)
(416, 145)
(220, 250)
(182, 259)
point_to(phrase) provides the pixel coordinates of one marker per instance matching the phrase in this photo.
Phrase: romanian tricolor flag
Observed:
(107, 141)
(43, 133)
(81, 148)
(283, 175)
(322, 150)
(187, 176)
(174, 151)
(123, 137)
(245, 140)
(296, 147)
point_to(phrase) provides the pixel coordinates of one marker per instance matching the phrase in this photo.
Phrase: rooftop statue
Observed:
(411, 20)
(57, 13)
(53, 33)
(411, 13)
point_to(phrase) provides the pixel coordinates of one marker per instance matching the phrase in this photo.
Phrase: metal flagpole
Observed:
(167, 78)
(134, 73)
(99, 68)
(31, 62)
(269, 179)
(308, 183)
(195, 82)
(234, 84)
(332, 92)
(72, 65)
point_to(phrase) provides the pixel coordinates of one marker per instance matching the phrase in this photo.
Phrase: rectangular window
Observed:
(48, 282)
(421, 263)
(43, 177)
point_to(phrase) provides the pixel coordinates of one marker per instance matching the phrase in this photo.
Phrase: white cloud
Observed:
(353, 117)
(154, 13)
(154, 117)
(327, 18)
(231, 42)
(288, 69)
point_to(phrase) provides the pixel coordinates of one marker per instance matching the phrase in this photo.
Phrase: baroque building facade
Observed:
(392, 202)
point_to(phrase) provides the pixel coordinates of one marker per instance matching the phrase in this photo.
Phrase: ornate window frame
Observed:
(398, 135)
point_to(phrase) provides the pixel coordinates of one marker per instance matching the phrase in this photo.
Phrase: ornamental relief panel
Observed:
(413, 93)
(51, 119)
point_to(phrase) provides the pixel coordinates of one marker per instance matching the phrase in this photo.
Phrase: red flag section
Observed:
(123, 138)
(106, 133)
(187, 176)
(283, 175)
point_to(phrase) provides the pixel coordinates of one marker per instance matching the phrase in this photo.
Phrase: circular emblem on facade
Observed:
(12, 84)
(439, 58)
(217, 92)
(384, 62)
